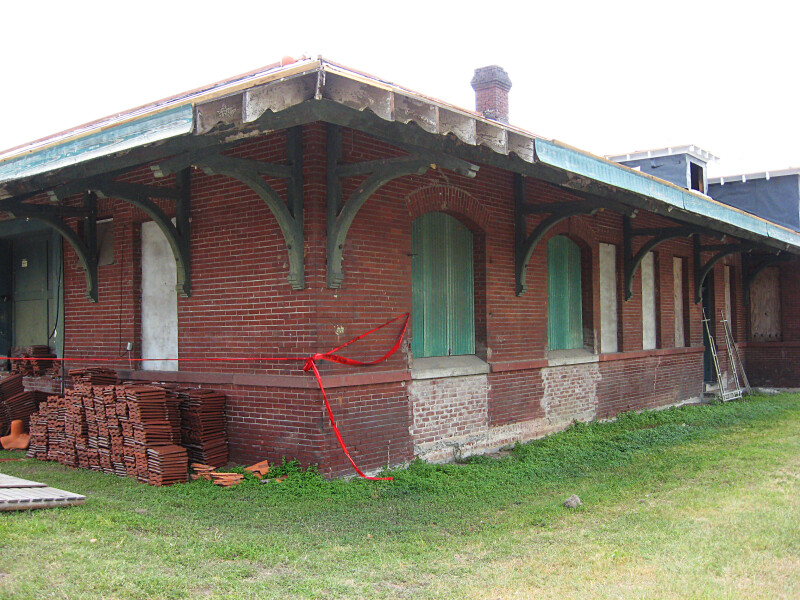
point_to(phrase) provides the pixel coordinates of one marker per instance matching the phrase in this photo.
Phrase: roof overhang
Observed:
(319, 90)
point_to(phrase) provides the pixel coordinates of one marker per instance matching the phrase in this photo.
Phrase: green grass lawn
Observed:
(694, 502)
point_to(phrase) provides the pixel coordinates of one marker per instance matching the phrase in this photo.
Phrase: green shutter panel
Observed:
(461, 297)
(565, 321)
(557, 323)
(575, 301)
(442, 287)
(417, 289)
(435, 266)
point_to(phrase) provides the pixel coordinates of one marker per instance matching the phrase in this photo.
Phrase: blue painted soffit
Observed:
(116, 138)
(586, 165)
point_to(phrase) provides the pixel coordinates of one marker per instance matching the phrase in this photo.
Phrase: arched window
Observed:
(564, 294)
(442, 285)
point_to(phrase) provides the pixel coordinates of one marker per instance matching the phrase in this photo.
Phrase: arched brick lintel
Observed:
(451, 200)
(578, 228)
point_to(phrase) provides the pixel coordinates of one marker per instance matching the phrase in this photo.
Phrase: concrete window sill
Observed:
(437, 367)
(559, 358)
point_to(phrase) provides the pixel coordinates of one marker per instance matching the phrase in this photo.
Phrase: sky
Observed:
(608, 77)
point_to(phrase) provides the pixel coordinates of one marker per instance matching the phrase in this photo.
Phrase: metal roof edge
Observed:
(212, 91)
(573, 160)
(150, 128)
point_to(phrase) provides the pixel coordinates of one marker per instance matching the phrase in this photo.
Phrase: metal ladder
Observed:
(713, 347)
(736, 390)
(735, 360)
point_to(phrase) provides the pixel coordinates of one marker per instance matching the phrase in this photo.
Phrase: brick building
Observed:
(298, 206)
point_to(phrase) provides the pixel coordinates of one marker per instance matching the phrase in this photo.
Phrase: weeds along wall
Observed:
(242, 305)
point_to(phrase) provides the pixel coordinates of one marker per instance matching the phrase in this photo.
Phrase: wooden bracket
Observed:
(51, 216)
(141, 196)
(340, 214)
(288, 213)
(555, 212)
(658, 235)
(701, 270)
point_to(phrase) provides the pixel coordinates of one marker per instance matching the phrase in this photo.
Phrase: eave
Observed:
(320, 90)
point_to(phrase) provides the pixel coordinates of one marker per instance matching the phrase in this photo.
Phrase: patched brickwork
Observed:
(516, 396)
(445, 410)
(570, 392)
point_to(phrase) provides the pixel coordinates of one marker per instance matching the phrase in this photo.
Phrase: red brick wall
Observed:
(772, 364)
(516, 396)
(649, 381)
(374, 422)
(243, 305)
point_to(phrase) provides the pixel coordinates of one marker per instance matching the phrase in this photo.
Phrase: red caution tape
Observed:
(309, 364)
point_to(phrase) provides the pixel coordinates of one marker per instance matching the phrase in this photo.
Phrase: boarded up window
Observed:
(442, 287)
(105, 242)
(649, 316)
(608, 298)
(728, 275)
(159, 301)
(565, 320)
(765, 306)
(680, 299)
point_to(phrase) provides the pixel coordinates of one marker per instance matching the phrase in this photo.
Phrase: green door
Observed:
(564, 305)
(31, 300)
(5, 297)
(442, 287)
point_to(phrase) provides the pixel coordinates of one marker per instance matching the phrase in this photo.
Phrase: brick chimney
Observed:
(491, 85)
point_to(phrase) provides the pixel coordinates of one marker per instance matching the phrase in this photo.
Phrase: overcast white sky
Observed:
(608, 77)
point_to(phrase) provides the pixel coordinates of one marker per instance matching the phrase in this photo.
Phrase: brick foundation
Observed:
(446, 413)
(774, 364)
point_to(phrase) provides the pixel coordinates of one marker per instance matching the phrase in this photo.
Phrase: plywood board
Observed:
(159, 300)
(765, 306)
(608, 298)
(677, 301)
(648, 302)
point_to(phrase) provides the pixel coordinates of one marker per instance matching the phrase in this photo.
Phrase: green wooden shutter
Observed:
(461, 297)
(442, 287)
(565, 320)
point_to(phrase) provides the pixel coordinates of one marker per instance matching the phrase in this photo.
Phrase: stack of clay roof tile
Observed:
(94, 376)
(203, 426)
(149, 421)
(5, 420)
(15, 402)
(130, 430)
(39, 441)
(167, 464)
(27, 360)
